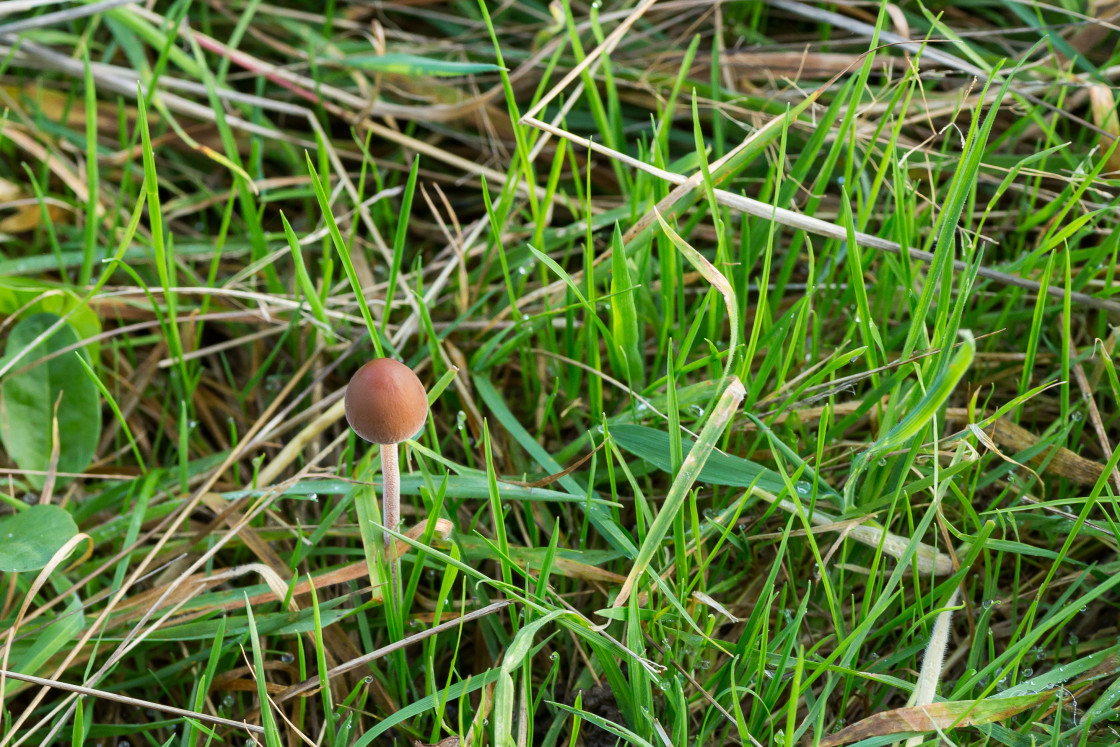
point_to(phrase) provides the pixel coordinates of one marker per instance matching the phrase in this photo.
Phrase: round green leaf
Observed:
(29, 539)
(28, 399)
(27, 297)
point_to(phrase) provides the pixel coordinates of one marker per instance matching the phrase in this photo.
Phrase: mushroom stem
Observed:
(390, 505)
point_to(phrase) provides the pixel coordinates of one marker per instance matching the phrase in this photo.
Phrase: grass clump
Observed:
(769, 351)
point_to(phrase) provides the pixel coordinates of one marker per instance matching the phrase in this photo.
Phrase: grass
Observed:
(769, 347)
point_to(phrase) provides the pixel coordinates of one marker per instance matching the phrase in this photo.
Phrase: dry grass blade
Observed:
(936, 717)
(1016, 438)
(927, 560)
(819, 227)
(130, 701)
(308, 687)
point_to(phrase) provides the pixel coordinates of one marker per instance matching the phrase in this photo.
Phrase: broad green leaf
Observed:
(652, 445)
(29, 397)
(415, 66)
(29, 297)
(29, 539)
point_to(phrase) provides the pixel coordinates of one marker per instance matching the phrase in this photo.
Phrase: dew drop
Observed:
(287, 658)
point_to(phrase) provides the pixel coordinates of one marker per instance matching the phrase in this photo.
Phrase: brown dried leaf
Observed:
(27, 218)
(452, 741)
(1103, 104)
(937, 716)
(1014, 438)
(9, 191)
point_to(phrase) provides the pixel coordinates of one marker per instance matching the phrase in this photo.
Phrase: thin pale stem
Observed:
(391, 505)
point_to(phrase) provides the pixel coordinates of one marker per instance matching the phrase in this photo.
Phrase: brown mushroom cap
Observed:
(385, 402)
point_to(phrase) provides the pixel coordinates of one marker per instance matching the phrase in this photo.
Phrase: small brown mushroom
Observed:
(387, 404)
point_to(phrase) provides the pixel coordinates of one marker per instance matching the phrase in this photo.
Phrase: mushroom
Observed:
(387, 404)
